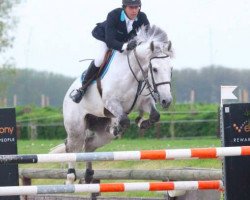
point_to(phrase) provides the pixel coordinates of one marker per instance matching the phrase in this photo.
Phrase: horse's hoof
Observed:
(137, 120)
(154, 117)
(116, 131)
(88, 176)
(70, 179)
(124, 122)
(145, 124)
(71, 176)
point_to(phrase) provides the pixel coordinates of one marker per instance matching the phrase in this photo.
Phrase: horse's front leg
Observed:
(113, 128)
(115, 107)
(154, 117)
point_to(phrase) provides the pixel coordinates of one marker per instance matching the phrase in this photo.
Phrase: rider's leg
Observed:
(91, 72)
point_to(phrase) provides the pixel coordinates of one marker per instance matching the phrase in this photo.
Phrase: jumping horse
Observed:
(133, 80)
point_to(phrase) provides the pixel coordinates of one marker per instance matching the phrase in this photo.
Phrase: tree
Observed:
(7, 22)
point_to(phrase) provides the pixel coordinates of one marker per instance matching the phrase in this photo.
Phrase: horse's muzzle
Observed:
(166, 103)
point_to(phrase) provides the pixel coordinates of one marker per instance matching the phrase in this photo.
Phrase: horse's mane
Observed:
(151, 33)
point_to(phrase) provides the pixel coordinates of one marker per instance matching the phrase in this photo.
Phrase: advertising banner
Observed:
(8, 145)
(236, 119)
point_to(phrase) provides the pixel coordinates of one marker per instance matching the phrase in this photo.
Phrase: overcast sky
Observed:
(53, 35)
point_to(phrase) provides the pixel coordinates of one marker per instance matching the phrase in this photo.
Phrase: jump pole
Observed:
(169, 154)
(111, 187)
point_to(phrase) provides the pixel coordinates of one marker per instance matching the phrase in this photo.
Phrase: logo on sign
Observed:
(244, 127)
(6, 130)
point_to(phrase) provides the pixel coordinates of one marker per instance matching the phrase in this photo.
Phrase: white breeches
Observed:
(101, 49)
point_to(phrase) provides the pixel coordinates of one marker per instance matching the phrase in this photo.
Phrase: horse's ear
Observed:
(152, 46)
(169, 46)
(169, 49)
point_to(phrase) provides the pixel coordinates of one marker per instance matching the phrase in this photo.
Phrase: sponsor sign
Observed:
(8, 145)
(236, 133)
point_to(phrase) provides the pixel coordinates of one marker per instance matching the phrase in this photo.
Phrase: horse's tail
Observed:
(61, 148)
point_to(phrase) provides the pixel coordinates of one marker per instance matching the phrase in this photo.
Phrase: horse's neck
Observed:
(119, 82)
(122, 65)
(119, 69)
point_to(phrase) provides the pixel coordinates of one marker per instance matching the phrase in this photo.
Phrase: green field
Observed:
(43, 146)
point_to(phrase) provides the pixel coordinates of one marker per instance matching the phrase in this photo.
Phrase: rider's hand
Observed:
(131, 45)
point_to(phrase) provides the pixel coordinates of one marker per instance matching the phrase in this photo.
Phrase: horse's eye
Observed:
(154, 70)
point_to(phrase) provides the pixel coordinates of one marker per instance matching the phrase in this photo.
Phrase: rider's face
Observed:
(132, 11)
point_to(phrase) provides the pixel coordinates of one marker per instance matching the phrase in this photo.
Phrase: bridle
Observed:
(153, 89)
(155, 85)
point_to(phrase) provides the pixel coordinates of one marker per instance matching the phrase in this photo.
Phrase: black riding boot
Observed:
(92, 70)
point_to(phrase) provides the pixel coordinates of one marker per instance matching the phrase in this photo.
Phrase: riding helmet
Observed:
(131, 2)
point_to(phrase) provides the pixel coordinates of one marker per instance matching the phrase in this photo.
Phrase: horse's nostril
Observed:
(165, 104)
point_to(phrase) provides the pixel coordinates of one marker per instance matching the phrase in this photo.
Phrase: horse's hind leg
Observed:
(74, 144)
(92, 142)
(98, 139)
(89, 172)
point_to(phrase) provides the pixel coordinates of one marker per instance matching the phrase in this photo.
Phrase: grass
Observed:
(43, 146)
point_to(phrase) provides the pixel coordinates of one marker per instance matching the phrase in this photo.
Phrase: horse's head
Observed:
(160, 74)
(155, 52)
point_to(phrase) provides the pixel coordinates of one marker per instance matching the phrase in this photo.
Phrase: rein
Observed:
(139, 87)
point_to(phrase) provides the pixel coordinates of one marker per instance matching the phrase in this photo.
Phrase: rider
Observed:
(116, 33)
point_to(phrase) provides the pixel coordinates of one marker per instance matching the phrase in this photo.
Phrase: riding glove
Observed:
(131, 45)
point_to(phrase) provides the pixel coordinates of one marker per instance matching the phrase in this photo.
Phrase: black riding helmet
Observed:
(131, 2)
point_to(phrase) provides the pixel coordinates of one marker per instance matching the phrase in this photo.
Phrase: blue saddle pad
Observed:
(104, 69)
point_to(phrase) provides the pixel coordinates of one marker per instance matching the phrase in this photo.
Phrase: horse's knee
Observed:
(89, 173)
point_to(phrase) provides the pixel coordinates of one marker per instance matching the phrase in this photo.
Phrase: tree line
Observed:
(29, 85)
(206, 82)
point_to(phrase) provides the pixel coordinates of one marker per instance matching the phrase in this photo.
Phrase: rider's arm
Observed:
(111, 31)
(143, 19)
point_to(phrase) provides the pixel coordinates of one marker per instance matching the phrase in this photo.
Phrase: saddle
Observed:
(102, 68)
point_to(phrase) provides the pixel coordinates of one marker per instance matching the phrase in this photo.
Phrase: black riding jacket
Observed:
(113, 31)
